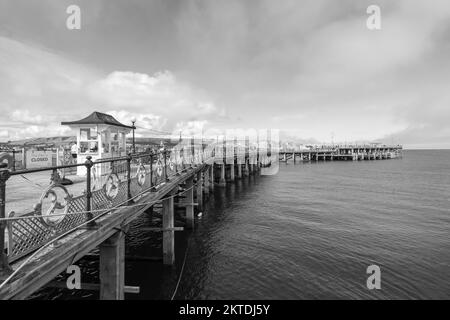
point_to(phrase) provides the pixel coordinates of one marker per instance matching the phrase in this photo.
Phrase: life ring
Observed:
(6, 158)
(159, 168)
(111, 186)
(141, 175)
(171, 164)
(53, 205)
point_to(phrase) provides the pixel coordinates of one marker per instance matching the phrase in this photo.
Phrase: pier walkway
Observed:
(47, 225)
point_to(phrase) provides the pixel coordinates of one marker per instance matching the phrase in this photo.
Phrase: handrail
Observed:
(106, 160)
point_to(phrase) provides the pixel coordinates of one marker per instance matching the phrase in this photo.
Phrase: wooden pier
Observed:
(67, 222)
(42, 242)
(352, 153)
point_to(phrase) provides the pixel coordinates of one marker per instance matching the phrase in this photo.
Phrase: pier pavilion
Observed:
(99, 136)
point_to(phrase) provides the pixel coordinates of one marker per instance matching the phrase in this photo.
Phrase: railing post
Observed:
(165, 164)
(129, 158)
(151, 169)
(14, 160)
(4, 176)
(88, 163)
(177, 159)
(192, 152)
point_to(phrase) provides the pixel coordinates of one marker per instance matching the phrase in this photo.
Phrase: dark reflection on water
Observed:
(308, 232)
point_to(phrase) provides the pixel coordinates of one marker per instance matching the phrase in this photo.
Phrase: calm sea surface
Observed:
(309, 232)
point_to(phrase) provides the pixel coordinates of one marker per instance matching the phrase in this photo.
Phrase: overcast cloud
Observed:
(310, 68)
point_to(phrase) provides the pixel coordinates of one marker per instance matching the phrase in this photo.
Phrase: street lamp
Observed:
(133, 121)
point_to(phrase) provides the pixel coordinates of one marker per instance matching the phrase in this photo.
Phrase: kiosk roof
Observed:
(98, 118)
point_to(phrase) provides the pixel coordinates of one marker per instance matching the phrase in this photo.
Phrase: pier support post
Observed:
(206, 182)
(168, 230)
(189, 203)
(232, 172)
(149, 211)
(112, 268)
(246, 170)
(200, 190)
(222, 181)
(239, 170)
(211, 176)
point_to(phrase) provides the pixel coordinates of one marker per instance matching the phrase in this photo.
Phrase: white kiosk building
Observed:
(100, 136)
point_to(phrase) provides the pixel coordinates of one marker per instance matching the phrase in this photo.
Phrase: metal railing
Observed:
(108, 184)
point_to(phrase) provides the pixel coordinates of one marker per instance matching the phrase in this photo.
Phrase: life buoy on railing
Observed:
(141, 175)
(111, 186)
(159, 168)
(53, 205)
(171, 164)
(6, 158)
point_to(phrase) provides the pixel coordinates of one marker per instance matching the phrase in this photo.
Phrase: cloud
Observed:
(40, 89)
(318, 59)
(161, 94)
(190, 127)
(25, 117)
(257, 64)
(146, 124)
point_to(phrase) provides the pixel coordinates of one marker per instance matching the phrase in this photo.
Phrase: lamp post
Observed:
(133, 121)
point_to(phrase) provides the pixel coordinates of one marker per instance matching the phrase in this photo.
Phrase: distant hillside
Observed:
(67, 140)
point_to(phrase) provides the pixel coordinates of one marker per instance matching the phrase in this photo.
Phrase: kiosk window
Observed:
(89, 147)
(88, 134)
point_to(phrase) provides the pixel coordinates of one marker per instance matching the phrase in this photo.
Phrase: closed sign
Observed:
(39, 159)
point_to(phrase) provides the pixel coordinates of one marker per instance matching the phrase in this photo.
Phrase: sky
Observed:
(310, 68)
